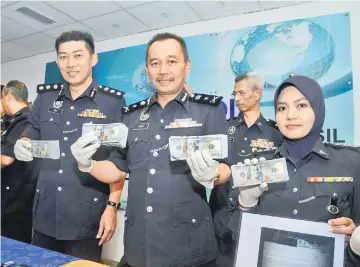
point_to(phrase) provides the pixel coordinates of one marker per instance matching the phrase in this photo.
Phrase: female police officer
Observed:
(324, 179)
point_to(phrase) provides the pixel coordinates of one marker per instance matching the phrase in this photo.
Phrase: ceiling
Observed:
(24, 37)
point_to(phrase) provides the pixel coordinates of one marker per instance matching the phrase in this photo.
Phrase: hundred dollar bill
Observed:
(112, 134)
(180, 146)
(45, 149)
(271, 171)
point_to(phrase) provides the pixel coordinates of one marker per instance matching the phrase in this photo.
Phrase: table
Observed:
(12, 250)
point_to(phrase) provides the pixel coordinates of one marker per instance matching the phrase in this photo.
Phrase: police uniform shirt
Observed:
(69, 203)
(18, 180)
(168, 220)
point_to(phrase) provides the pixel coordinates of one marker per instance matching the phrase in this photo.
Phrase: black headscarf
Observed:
(298, 149)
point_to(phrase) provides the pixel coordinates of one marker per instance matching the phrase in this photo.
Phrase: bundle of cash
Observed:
(180, 146)
(112, 134)
(45, 149)
(271, 171)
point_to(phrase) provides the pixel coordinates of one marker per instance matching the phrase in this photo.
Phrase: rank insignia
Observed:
(329, 179)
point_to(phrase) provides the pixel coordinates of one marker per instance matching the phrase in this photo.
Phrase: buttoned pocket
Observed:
(138, 146)
(50, 125)
(91, 207)
(194, 232)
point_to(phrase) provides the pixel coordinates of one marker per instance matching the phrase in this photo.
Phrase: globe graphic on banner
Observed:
(280, 49)
(141, 82)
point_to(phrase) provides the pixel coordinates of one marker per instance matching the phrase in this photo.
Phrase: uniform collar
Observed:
(318, 149)
(21, 111)
(260, 122)
(182, 98)
(89, 92)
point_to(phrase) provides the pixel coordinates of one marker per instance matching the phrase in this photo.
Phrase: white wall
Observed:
(32, 70)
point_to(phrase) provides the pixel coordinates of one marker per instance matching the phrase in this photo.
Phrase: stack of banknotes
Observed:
(112, 134)
(181, 146)
(47, 149)
(271, 171)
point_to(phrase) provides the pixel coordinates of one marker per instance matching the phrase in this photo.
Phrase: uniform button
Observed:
(149, 209)
(295, 212)
(294, 170)
(242, 151)
(72, 108)
(51, 119)
(157, 137)
(152, 171)
(7, 188)
(60, 171)
(193, 220)
(95, 199)
(136, 139)
(59, 188)
(155, 154)
(295, 190)
(150, 190)
(334, 195)
(245, 138)
(65, 138)
(231, 199)
(68, 123)
(37, 190)
(63, 154)
(161, 121)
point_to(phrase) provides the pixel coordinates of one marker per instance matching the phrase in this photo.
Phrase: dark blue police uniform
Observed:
(243, 142)
(69, 203)
(168, 220)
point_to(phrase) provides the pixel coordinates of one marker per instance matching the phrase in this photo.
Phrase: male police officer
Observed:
(247, 133)
(168, 221)
(68, 203)
(18, 178)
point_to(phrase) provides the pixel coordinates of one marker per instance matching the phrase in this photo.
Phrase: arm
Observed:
(106, 171)
(224, 174)
(6, 161)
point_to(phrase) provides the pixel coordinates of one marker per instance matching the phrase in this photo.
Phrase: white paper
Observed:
(266, 241)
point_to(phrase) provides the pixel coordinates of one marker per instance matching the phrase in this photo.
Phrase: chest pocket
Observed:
(190, 131)
(50, 124)
(138, 145)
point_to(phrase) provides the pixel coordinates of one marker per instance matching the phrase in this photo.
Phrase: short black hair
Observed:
(165, 36)
(75, 35)
(17, 89)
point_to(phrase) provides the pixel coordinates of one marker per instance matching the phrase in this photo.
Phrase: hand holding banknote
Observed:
(22, 149)
(83, 149)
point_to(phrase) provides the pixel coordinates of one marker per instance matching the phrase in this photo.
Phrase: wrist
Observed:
(114, 205)
(86, 168)
(247, 206)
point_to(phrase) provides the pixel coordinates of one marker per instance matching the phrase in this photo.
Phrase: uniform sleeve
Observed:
(15, 132)
(118, 155)
(216, 124)
(32, 130)
(356, 196)
(118, 115)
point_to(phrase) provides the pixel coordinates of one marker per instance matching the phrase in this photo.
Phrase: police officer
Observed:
(18, 178)
(324, 182)
(354, 247)
(247, 133)
(69, 204)
(168, 221)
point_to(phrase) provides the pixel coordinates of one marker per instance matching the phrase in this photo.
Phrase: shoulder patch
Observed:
(41, 88)
(272, 123)
(212, 100)
(135, 106)
(260, 152)
(111, 91)
(342, 146)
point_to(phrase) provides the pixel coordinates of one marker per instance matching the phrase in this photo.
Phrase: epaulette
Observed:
(49, 87)
(111, 91)
(272, 123)
(135, 106)
(260, 152)
(341, 146)
(212, 100)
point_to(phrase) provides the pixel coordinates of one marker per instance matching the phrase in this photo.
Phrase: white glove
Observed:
(249, 196)
(203, 168)
(22, 150)
(355, 241)
(83, 149)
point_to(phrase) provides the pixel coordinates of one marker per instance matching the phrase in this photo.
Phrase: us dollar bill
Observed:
(181, 146)
(112, 134)
(271, 171)
(47, 149)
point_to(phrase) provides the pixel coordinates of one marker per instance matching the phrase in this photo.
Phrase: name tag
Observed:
(141, 126)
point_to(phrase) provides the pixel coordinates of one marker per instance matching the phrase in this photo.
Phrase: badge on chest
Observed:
(92, 113)
(56, 107)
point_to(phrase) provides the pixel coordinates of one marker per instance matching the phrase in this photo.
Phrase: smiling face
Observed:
(294, 114)
(75, 62)
(167, 67)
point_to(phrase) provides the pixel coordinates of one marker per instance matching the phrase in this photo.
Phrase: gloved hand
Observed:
(22, 150)
(249, 196)
(355, 241)
(83, 149)
(203, 168)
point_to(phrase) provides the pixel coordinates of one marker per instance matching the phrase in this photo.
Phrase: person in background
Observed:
(324, 178)
(18, 178)
(168, 220)
(73, 213)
